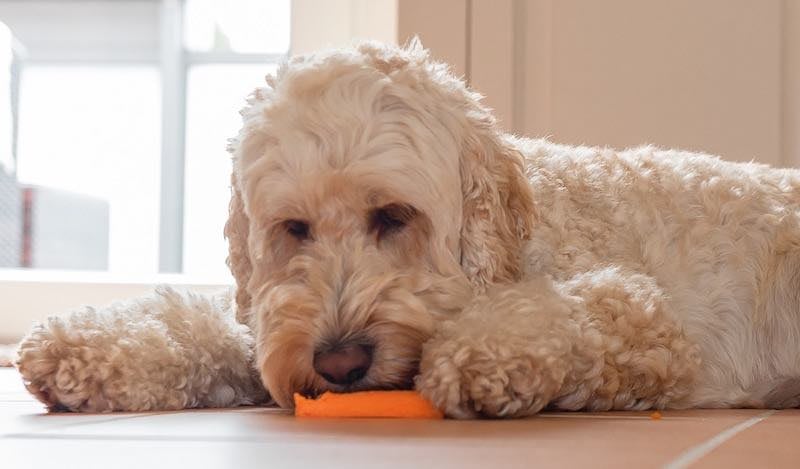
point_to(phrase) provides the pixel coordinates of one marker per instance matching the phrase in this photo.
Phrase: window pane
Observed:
(215, 93)
(244, 26)
(89, 144)
(6, 118)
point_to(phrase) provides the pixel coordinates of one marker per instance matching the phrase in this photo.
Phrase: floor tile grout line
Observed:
(619, 417)
(697, 452)
(168, 438)
(55, 426)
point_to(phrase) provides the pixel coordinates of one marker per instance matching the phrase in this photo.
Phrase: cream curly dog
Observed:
(384, 233)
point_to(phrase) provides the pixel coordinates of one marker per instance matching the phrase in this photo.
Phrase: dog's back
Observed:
(722, 240)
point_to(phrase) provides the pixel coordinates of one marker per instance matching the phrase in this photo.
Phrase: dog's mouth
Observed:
(407, 383)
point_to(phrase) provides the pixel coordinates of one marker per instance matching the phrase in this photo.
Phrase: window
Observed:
(214, 93)
(89, 139)
(121, 111)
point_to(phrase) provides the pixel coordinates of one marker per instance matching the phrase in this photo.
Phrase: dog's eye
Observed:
(390, 218)
(298, 229)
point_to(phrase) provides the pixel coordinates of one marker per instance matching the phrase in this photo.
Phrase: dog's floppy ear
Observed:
(237, 229)
(498, 207)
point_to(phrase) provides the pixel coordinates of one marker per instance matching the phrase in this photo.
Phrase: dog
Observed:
(385, 233)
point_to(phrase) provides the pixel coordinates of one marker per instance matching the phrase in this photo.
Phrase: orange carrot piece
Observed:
(377, 404)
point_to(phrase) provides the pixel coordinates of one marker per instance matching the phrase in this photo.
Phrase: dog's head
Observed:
(372, 195)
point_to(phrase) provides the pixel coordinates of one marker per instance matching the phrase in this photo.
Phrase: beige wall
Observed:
(790, 94)
(702, 75)
(442, 26)
(720, 76)
(318, 24)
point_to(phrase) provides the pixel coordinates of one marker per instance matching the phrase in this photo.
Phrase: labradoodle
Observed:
(385, 233)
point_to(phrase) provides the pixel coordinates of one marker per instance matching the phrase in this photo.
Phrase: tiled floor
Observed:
(257, 437)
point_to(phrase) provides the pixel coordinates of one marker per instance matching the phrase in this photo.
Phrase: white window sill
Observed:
(33, 295)
(88, 276)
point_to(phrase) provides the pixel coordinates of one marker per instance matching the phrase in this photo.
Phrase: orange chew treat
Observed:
(384, 404)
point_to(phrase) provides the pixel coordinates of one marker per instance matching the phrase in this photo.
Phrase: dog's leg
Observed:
(168, 351)
(599, 341)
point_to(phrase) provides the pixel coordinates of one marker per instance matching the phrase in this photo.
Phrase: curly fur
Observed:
(523, 274)
(165, 352)
(600, 341)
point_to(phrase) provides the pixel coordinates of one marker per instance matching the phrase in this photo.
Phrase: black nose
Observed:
(344, 365)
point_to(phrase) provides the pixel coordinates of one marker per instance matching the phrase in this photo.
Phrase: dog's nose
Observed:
(344, 365)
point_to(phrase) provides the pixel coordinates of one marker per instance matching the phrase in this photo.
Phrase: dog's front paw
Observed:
(162, 352)
(469, 376)
(51, 372)
(507, 355)
(88, 362)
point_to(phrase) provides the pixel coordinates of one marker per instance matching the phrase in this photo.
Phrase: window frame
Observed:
(176, 61)
(173, 62)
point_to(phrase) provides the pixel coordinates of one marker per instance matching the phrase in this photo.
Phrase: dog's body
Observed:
(383, 233)
(719, 240)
